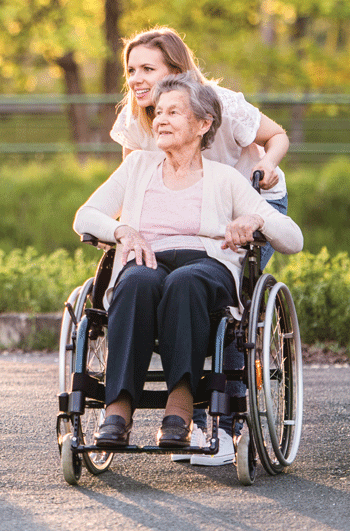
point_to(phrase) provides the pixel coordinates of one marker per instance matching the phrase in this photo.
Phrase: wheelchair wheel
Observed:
(275, 374)
(96, 360)
(71, 463)
(285, 360)
(77, 301)
(245, 460)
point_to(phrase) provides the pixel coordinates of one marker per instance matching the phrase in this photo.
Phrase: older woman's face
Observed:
(175, 124)
(145, 67)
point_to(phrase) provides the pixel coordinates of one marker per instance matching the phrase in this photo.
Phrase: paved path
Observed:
(148, 492)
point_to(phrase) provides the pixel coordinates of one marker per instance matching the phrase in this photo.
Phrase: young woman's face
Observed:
(145, 67)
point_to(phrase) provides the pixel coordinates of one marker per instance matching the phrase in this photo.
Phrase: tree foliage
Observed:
(74, 46)
(271, 45)
(266, 45)
(36, 33)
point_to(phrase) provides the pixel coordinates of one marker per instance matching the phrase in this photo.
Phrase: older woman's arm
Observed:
(98, 216)
(251, 212)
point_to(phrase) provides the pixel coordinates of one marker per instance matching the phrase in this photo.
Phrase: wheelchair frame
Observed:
(268, 334)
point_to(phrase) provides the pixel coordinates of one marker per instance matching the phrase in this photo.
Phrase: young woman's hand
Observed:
(270, 178)
(133, 241)
(275, 142)
(240, 231)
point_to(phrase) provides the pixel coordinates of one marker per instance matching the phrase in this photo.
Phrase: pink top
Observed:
(170, 219)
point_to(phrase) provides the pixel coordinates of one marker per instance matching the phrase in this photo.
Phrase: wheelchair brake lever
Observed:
(71, 312)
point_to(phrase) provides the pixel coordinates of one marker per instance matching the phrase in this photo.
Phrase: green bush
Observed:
(36, 284)
(38, 201)
(320, 285)
(319, 201)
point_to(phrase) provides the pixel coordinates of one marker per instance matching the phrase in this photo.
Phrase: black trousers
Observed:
(173, 303)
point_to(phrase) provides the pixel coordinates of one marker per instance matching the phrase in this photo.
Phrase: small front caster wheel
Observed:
(245, 460)
(71, 462)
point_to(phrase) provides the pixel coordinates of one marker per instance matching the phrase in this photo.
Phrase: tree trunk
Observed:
(297, 135)
(267, 26)
(113, 69)
(77, 112)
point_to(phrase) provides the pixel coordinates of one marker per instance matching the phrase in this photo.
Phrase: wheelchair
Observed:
(267, 334)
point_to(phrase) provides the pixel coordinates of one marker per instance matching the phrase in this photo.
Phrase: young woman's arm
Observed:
(275, 141)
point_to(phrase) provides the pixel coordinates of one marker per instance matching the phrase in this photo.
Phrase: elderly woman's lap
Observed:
(179, 271)
(172, 303)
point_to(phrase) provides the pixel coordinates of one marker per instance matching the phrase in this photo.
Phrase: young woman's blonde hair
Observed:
(176, 55)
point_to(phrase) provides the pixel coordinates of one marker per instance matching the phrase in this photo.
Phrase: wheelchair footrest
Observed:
(134, 449)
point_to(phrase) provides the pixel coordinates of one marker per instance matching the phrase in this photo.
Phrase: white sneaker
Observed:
(198, 438)
(225, 455)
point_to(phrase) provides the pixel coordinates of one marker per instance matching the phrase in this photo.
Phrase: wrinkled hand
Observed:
(133, 241)
(270, 178)
(240, 231)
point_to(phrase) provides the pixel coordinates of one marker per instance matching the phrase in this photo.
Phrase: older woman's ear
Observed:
(206, 124)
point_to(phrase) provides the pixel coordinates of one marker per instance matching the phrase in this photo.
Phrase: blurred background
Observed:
(61, 81)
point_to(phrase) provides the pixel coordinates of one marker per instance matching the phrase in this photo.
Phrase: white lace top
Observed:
(233, 143)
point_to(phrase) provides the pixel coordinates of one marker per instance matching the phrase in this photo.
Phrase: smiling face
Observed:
(146, 66)
(175, 124)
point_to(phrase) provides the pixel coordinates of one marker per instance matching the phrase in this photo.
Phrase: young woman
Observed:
(247, 140)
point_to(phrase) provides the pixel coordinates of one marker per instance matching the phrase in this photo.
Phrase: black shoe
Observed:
(113, 432)
(174, 432)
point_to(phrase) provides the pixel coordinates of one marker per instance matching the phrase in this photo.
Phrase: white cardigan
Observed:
(226, 196)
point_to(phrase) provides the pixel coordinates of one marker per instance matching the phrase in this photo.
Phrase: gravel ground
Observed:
(150, 493)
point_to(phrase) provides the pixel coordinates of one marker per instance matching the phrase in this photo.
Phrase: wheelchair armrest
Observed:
(92, 240)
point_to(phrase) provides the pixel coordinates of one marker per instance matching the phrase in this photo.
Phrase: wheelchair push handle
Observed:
(258, 176)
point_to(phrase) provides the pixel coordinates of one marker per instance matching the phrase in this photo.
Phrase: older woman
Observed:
(182, 221)
(246, 139)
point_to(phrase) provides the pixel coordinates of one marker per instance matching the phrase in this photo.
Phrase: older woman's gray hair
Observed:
(204, 102)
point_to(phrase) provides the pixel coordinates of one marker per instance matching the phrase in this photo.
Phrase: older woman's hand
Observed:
(133, 241)
(240, 231)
